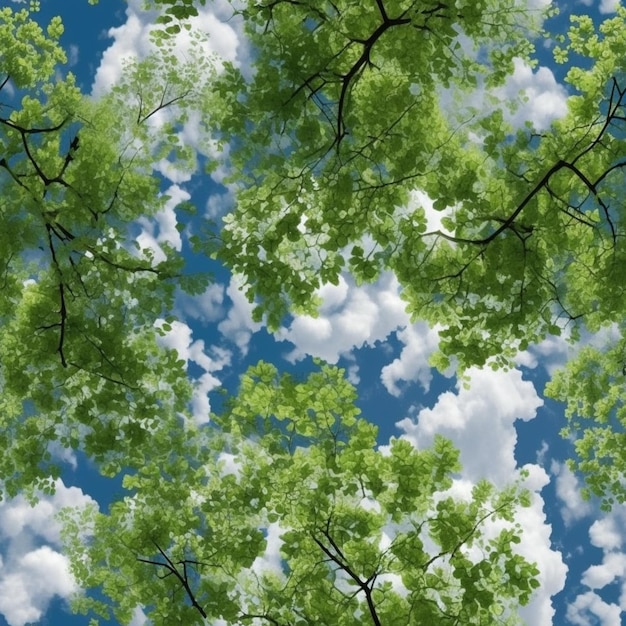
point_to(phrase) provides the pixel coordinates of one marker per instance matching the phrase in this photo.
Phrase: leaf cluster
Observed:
(365, 535)
(80, 364)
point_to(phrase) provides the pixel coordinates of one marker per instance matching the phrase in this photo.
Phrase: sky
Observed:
(500, 422)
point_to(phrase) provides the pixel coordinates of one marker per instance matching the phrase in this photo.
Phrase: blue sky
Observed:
(500, 423)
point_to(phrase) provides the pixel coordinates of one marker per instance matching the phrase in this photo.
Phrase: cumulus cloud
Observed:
(32, 571)
(543, 101)
(480, 420)
(350, 317)
(239, 326)
(139, 618)
(215, 37)
(551, 353)
(534, 93)
(162, 228)
(270, 561)
(211, 360)
(536, 546)
(420, 342)
(206, 307)
(609, 6)
(607, 533)
(589, 609)
(613, 566)
(568, 492)
(132, 40)
(220, 203)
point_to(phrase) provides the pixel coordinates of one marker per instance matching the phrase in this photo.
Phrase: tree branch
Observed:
(171, 568)
(336, 556)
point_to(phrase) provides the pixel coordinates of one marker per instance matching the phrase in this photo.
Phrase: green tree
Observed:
(341, 124)
(367, 536)
(352, 108)
(81, 367)
(364, 534)
(593, 388)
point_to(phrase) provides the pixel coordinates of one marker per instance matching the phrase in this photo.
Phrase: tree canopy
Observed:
(348, 111)
(366, 536)
(343, 126)
(81, 367)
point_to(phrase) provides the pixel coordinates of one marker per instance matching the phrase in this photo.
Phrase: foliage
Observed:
(331, 137)
(81, 368)
(593, 386)
(339, 134)
(342, 127)
(366, 535)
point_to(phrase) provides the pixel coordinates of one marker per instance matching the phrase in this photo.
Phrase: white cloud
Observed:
(65, 455)
(569, 493)
(613, 566)
(552, 353)
(353, 374)
(219, 203)
(207, 307)
(418, 198)
(542, 453)
(211, 360)
(604, 614)
(33, 581)
(534, 94)
(609, 6)
(178, 338)
(216, 36)
(536, 547)
(169, 170)
(270, 560)
(72, 56)
(162, 228)
(32, 574)
(536, 4)
(350, 317)
(139, 618)
(238, 326)
(18, 517)
(608, 533)
(480, 420)
(131, 40)
(420, 342)
(545, 99)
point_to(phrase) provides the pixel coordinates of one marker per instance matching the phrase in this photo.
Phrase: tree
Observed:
(367, 536)
(531, 238)
(81, 367)
(338, 127)
(341, 125)
(592, 387)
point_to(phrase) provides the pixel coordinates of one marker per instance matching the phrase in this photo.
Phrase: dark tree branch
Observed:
(31, 131)
(61, 325)
(335, 555)
(267, 618)
(141, 118)
(359, 65)
(172, 569)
